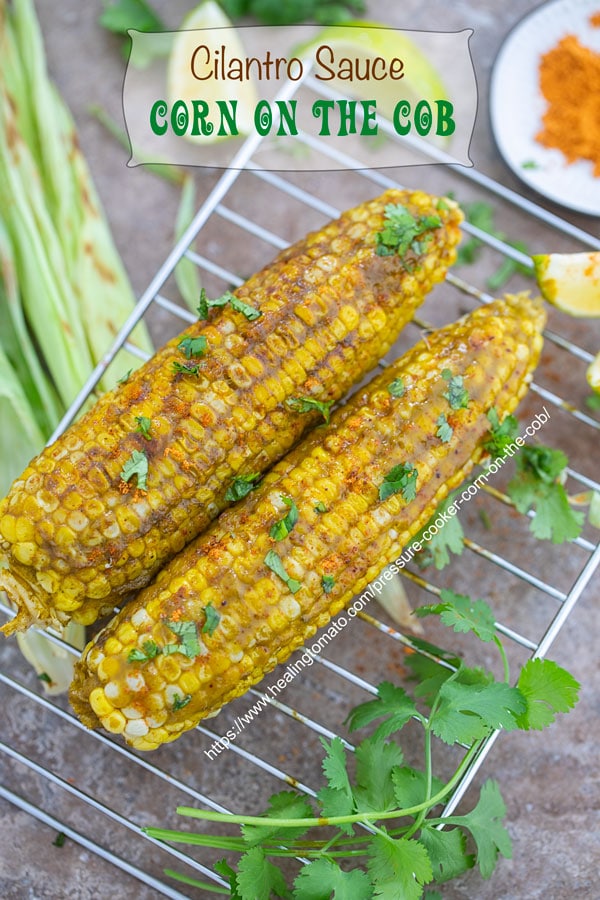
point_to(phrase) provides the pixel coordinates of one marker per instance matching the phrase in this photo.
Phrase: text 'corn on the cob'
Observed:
(97, 514)
(319, 528)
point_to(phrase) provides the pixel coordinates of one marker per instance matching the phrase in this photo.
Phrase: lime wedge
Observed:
(593, 374)
(364, 40)
(181, 84)
(570, 281)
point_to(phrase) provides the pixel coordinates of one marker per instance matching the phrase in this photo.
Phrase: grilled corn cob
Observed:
(260, 581)
(76, 537)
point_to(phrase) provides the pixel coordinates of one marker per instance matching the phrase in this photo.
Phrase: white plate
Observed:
(517, 104)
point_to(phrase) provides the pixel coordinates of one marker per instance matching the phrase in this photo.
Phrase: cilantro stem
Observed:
(502, 651)
(194, 882)
(232, 819)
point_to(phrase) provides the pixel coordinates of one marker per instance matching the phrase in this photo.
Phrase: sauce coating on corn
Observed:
(245, 610)
(76, 538)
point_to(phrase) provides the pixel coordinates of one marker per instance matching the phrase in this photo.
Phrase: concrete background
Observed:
(550, 781)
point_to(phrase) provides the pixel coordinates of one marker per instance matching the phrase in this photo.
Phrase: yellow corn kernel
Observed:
(115, 722)
(99, 703)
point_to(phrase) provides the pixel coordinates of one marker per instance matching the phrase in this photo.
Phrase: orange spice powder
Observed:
(570, 82)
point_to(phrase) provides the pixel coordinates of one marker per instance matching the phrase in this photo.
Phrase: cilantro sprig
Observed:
(401, 230)
(205, 304)
(282, 528)
(537, 485)
(457, 395)
(501, 436)
(401, 850)
(308, 404)
(241, 486)
(400, 479)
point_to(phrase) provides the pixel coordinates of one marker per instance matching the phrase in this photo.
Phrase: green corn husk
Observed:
(64, 293)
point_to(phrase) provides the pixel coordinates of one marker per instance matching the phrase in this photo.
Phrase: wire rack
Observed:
(104, 813)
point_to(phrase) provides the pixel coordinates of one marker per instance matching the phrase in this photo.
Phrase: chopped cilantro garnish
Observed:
(320, 507)
(537, 486)
(212, 619)
(241, 486)
(143, 426)
(274, 563)
(449, 537)
(396, 387)
(137, 464)
(444, 429)
(401, 229)
(205, 303)
(185, 368)
(179, 702)
(307, 404)
(402, 478)
(43, 676)
(191, 346)
(189, 644)
(241, 306)
(281, 529)
(59, 840)
(149, 651)
(456, 395)
(328, 583)
(501, 435)
(530, 164)
(125, 377)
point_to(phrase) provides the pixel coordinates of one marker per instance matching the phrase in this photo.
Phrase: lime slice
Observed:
(363, 40)
(570, 281)
(593, 374)
(181, 84)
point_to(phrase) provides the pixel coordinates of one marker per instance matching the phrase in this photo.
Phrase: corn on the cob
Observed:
(76, 537)
(227, 610)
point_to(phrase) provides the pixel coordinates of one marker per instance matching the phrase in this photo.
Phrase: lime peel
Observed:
(570, 281)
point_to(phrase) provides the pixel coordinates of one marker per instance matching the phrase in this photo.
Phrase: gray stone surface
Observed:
(550, 781)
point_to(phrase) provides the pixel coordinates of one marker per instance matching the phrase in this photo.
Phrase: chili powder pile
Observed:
(570, 82)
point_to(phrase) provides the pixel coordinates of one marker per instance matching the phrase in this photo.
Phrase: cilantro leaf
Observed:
(257, 878)
(274, 563)
(410, 786)
(402, 478)
(193, 347)
(485, 824)
(396, 387)
(143, 426)
(501, 435)
(447, 852)
(189, 644)
(241, 486)
(337, 799)
(212, 619)
(376, 758)
(149, 651)
(593, 401)
(223, 868)
(284, 805)
(548, 689)
(307, 404)
(179, 702)
(398, 867)
(250, 312)
(137, 464)
(444, 429)
(536, 486)
(450, 537)
(204, 303)
(125, 14)
(185, 368)
(456, 395)
(320, 507)
(401, 229)
(328, 583)
(467, 712)
(323, 878)
(392, 702)
(281, 529)
(124, 378)
(463, 614)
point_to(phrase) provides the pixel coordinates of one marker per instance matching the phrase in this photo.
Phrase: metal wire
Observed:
(564, 601)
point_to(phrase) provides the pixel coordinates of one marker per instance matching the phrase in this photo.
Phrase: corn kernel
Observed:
(115, 722)
(99, 703)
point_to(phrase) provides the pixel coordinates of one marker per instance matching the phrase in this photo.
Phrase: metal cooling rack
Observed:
(77, 809)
